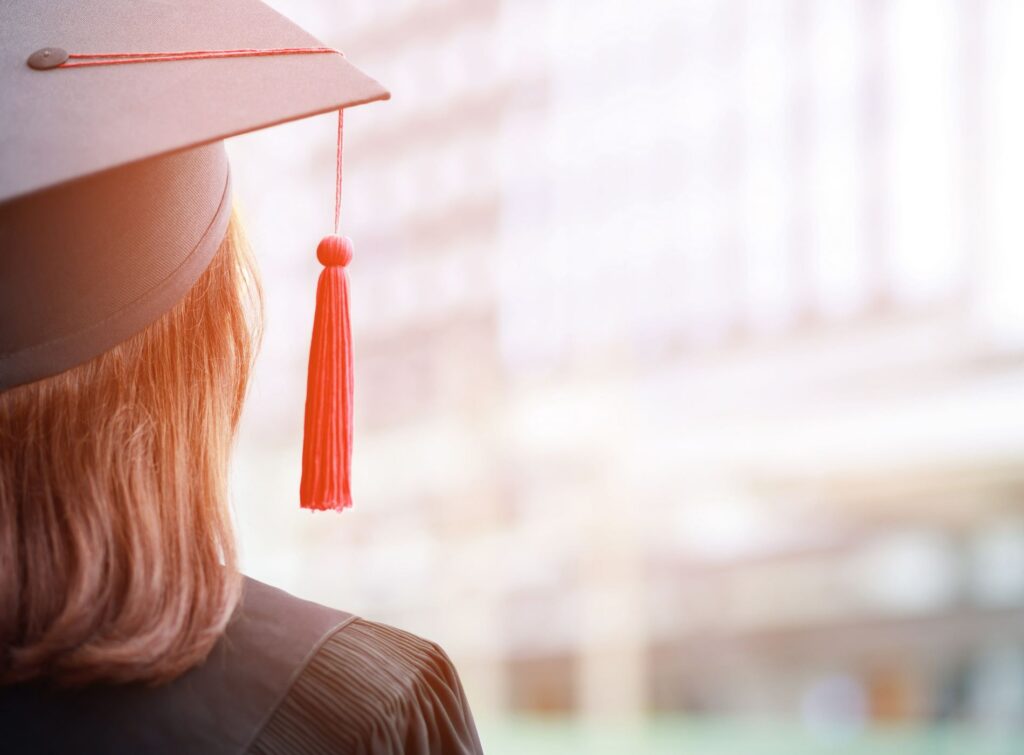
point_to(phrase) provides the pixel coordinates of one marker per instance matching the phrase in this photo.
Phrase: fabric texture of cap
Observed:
(114, 187)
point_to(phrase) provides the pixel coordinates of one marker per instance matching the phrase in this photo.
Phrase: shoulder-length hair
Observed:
(117, 555)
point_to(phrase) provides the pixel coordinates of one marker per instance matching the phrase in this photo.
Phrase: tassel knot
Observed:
(334, 251)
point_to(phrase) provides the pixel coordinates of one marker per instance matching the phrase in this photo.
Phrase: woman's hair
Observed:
(117, 556)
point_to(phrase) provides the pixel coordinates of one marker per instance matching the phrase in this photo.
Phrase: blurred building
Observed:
(689, 342)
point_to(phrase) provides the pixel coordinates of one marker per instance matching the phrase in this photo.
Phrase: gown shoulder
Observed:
(372, 689)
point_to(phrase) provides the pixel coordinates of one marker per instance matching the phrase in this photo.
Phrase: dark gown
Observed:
(288, 677)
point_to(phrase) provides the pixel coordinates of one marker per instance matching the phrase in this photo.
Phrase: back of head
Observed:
(117, 558)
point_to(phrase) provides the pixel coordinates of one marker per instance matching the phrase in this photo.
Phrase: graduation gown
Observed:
(288, 677)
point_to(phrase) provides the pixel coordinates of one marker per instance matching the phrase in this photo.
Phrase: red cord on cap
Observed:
(83, 59)
(327, 437)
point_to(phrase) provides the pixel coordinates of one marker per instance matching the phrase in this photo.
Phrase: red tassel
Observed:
(327, 445)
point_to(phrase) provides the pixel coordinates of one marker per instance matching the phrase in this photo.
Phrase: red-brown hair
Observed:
(117, 556)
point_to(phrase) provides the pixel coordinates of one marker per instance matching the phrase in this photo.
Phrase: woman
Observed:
(119, 569)
(128, 322)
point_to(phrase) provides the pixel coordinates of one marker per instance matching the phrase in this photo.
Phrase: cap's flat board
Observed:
(63, 124)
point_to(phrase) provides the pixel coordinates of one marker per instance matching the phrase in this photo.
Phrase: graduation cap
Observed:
(115, 186)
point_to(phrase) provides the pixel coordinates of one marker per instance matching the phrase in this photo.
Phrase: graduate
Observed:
(128, 317)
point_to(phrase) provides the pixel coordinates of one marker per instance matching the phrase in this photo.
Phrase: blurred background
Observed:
(690, 365)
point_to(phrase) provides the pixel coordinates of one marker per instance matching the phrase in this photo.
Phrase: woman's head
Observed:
(117, 559)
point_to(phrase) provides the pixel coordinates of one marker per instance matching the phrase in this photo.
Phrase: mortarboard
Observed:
(115, 186)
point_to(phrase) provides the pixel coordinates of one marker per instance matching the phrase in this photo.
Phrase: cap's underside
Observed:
(88, 264)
